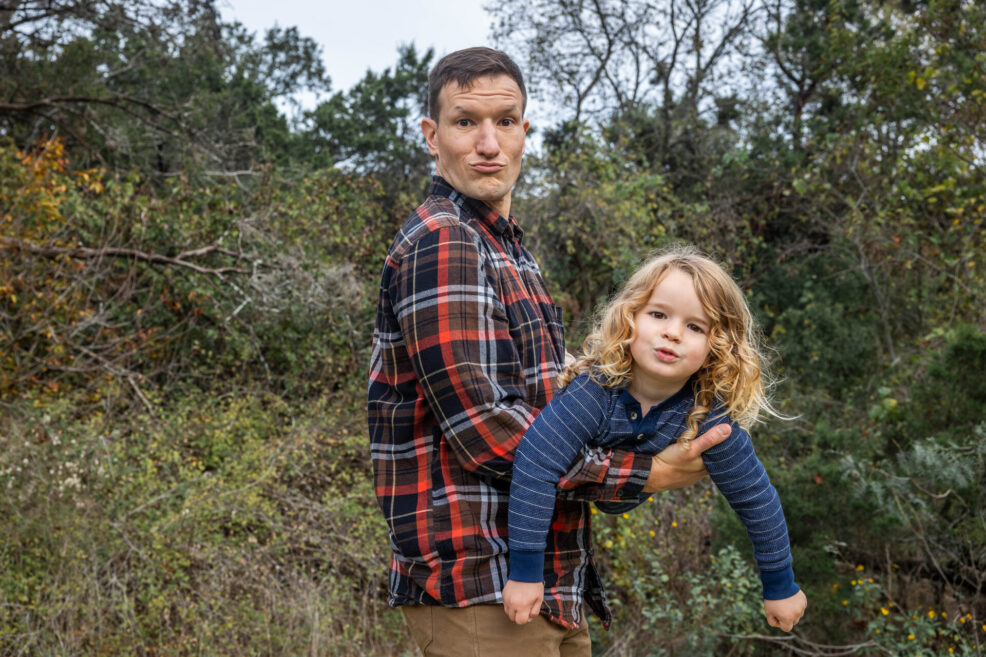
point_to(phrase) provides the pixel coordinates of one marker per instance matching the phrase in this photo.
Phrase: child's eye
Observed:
(696, 328)
(657, 314)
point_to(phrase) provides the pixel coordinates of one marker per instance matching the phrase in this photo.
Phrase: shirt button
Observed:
(633, 416)
(640, 436)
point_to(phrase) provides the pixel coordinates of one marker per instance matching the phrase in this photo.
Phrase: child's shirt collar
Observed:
(645, 424)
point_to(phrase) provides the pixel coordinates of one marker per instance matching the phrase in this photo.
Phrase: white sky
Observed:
(357, 35)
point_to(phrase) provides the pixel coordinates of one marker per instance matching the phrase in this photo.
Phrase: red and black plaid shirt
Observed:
(465, 351)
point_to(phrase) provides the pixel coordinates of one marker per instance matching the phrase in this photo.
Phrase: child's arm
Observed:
(522, 600)
(785, 613)
(549, 447)
(743, 481)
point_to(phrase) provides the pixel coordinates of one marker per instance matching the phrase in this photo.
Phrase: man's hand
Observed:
(785, 613)
(522, 600)
(679, 466)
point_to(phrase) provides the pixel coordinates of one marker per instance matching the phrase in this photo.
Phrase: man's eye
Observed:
(508, 122)
(463, 123)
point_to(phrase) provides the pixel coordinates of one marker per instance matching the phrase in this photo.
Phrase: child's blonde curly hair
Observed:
(734, 373)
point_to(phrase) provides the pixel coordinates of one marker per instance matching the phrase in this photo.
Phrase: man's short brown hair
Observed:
(464, 66)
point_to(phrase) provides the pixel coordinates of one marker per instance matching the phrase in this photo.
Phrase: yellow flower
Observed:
(853, 583)
(961, 619)
(931, 613)
(859, 567)
(651, 532)
(910, 637)
(593, 511)
(870, 580)
(625, 515)
(884, 611)
(650, 499)
(845, 603)
(835, 586)
(674, 524)
(878, 630)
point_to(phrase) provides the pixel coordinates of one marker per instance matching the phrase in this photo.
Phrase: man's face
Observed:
(478, 140)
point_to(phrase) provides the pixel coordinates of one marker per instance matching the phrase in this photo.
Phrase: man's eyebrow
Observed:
(513, 109)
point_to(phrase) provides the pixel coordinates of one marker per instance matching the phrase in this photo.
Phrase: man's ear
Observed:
(430, 130)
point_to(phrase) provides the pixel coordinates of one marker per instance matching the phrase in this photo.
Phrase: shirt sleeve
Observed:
(741, 478)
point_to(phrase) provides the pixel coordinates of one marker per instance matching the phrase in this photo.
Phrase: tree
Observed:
(659, 74)
(374, 128)
(155, 85)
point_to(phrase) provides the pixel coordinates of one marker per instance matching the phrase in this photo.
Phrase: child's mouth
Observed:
(666, 355)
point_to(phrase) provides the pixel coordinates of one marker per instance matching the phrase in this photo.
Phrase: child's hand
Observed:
(785, 613)
(522, 600)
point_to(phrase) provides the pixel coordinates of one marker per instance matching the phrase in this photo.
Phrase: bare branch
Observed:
(86, 253)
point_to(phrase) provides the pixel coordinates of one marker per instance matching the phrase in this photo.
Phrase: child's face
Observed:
(672, 339)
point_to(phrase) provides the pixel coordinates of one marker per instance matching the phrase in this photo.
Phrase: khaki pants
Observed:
(485, 631)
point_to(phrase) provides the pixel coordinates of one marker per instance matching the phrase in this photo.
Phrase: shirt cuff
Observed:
(778, 584)
(633, 488)
(526, 566)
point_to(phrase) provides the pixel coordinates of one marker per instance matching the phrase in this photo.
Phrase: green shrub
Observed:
(228, 523)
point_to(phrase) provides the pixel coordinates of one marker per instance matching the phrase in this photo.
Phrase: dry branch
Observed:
(87, 253)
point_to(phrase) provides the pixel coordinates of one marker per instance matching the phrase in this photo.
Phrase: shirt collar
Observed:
(478, 209)
(630, 403)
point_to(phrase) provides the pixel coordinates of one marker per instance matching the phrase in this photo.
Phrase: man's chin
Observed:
(488, 193)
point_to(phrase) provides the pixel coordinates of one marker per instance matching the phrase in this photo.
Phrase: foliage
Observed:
(104, 278)
(232, 523)
(664, 581)
(164, 87)
(374, 126)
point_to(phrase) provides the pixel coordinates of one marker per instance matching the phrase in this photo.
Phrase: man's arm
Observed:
(677, 466)
(458, 340)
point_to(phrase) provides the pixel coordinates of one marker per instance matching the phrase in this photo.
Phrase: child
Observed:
(674, 352)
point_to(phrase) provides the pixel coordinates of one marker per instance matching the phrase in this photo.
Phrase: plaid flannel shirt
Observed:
(466, 347)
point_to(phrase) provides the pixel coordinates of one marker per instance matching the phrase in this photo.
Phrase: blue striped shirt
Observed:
(587, 417)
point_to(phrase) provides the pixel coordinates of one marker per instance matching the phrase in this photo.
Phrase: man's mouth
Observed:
(666, 355)
(487, 167)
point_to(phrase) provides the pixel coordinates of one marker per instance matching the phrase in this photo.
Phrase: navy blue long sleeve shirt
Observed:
(587, 417)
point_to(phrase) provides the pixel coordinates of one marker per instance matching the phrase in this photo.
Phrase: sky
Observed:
(357, 35)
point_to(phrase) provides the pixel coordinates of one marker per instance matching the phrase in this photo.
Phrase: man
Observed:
(466, 348)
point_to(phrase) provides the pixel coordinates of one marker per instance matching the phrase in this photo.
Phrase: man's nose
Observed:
(486, 141)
